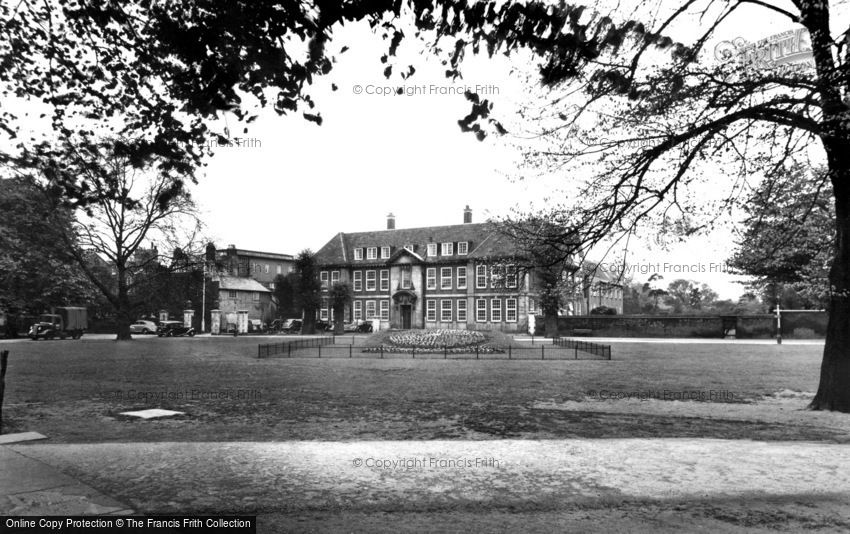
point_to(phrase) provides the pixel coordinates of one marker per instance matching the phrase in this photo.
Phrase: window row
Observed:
(371, 280)
(446, 249)
(265, 268)
(323, 278)
(447, 278)
(499, 276)
(371, 308)
(455, 310)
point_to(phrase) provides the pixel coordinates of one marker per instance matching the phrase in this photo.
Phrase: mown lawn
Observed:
(73, 391)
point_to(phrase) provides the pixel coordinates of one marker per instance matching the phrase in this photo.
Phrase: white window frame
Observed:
(461, 310)
(462, 248)
(385, 252)
(497, 276)
(461, 279)
(266, 268)
(480, 311)
(481, 274)
(447, 249)
(323, 311)
(431, 278)
(373, 279)
(279, 269)
(511, 277)
(374, 309)
(385, 280)
(334, 277)
(323, 278)
(445, 281)
(358, 254)
(358, 310)
(408, 248)
(431, 310)
(372, 253)
(408, 270)
(496, 310)
(446, 306)
(432, 249)
(385, 310)
(511, 307)
(231, 294)
(358, 280)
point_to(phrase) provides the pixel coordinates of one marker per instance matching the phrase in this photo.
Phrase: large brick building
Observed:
(457, 276)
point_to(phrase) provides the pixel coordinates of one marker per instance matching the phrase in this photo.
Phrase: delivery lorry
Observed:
(65, 323)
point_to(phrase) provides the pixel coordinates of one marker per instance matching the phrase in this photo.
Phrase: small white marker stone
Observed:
(152, 413)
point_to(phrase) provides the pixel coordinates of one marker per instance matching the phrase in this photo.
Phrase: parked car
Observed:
(143, 327)
(66, 322)
(256, 326)
(173, 329)
(291, 326)
(323, 326)
(359, 327)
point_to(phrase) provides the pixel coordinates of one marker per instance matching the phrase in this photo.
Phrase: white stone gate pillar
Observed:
(215, 321)
(242, 321)
(187, 318)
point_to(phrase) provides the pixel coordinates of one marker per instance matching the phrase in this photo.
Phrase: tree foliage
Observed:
(130, 214)
(339, 296)
(36, 271)
(786, 243)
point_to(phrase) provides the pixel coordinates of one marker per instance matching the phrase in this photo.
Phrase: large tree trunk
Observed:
(834, 389)
(339, 320)
(123, 312)
(308, 324)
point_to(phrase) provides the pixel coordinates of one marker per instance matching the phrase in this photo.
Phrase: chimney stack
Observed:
(467, 215)
(390, 222)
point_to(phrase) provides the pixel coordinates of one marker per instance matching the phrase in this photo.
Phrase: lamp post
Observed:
(204, 299)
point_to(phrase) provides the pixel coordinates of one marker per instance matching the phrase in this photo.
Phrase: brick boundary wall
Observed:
(807, 325)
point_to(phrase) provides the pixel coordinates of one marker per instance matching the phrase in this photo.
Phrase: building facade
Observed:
(241, 294)
(458, 276)
(260, 266)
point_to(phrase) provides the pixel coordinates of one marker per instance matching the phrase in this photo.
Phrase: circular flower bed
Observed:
(426, 339)
(439, 340)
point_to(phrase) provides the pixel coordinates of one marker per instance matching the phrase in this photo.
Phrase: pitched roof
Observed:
(483, 239)
(238, 283)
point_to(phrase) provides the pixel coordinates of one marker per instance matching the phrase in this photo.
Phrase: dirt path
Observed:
(330, 485)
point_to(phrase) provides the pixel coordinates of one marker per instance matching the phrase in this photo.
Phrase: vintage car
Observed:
(143, 327)
(174, 329)
(291, 326)
(359, 327)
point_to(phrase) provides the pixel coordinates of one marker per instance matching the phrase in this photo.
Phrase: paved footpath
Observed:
(430, 478)
(32, 487)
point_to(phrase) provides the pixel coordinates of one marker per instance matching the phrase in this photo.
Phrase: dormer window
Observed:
(358, 254)
(447, 249)
(409, 248)
(463, 248)
(372, 253)
(385, 252)
(432, 249)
